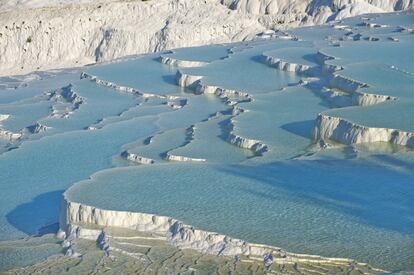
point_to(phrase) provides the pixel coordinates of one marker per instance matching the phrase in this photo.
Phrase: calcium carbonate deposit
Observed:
(49, 34)
(288, 153)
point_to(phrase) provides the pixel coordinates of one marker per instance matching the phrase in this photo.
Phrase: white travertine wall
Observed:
(45, 34)
(346, 132)
(75, 218)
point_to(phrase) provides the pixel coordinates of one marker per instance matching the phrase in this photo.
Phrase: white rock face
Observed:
(69, 101)
(6, 134)
(76, 217)
(188, 81)
(3, 117)
(284, 65)
(35, 128)
(346, 132)
(18, 136)
(272, 7)
(181, 63)
(45, 34)
(9, 135)
(321, 59)
(356, 90)
(317, 10)
(176, 232)
(8, 5)
(178, 104)
(366, 99)
(231, 97)
(256, 146)
(120, 88)
(137, 159)
(195, 83)
(172, 157)
(79, 34)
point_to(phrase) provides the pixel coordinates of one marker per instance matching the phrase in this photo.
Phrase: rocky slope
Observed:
(42, 34)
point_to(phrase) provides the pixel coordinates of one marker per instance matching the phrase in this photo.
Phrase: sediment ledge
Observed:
(231, 97)
(136, 158)
(117, 87)
(188, 81)
(35, 128)
(4, 117)
(181, 63)
(23, 133)
(284, 65)
(256, 146)
(178, 104)
(76, 217)
(9, 135)
(355, 89)
(321, 59)
(194, 82)
(366, 99)
(348, 85)
(190, 131)
(172, 157)
(346, 132)
(65, 94)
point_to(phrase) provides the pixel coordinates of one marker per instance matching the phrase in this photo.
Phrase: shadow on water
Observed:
(259, 59)
(300, 128)
(374, 194)
(389, 160)
(39, 216)
(170, 79)
(311, 57)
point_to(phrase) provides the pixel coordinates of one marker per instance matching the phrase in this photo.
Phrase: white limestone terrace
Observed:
(354, 126)
(348, 132)
(50, 34)
(232, 98)
(201, 56)
(65, 95)
(59, 103)
(303, 60)
(380, 85)
(315, 63)
(121, 88)
(11, 140)
(216, 132)
(171, 156)
(257, 146)
(76, 220)
(155, 148)
(359, 93)
(136, 158)
(181, 63)
(337, 82)
(284, 65)
(195, 83)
